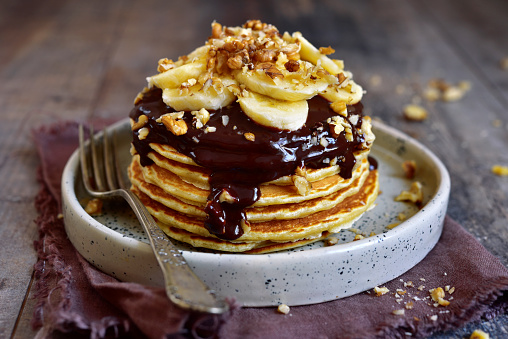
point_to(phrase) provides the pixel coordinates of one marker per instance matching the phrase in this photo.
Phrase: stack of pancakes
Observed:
(320, 179)
(175, 191)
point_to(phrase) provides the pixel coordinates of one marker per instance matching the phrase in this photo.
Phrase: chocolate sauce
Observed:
(238, 165)
(372, 163)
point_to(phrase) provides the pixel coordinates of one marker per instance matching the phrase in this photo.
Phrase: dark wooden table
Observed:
(78, 60)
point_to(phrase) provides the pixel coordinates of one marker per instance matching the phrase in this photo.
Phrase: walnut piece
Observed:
(479, 334)
(326, 50)
(283, 308)
(142, 120)
(409, 167)
(249, 136)
(414, 195)
(292, 65)
(175, 126)
(302, 185)
(415, 113)
(94, 207)
(438, 294)
(380, 290)
(500, 170)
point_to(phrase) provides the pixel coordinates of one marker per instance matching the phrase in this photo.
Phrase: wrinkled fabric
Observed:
(74, 297)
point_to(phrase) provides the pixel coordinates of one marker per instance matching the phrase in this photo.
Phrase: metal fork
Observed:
(106, 180)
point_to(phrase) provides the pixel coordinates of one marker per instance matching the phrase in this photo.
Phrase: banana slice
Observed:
(197, 97)
(174, 77)
(280, 114)
(290, 88)
(310, 53)
(350, 94)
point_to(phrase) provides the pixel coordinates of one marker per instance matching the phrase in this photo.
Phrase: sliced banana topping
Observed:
(270, 112)
(271, 75)
(196, 97)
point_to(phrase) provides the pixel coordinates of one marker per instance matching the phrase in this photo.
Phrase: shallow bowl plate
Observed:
(115, 243)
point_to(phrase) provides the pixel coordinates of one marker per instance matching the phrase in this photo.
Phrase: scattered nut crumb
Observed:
(380, 290)
(249, 136)
(504, 63)
(401, 216)
(60, 216)
(408, 284)
(142, 120)
(500, 170)
(479, 334)
(143, 133)
(438, 89)
(415, 112)
(438, 295)
(358, 237)
(283, 308)
(414, 195)
(393, 225)
(398, 312)
(453, 93)
(302, 185)
(175, 126)
(451, 290)
(94, 207)
(409, 167)
(434, 317)
(421, 288)
(409, 305)
(330, 241)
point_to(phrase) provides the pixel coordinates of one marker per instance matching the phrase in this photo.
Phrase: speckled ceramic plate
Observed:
(115, 243)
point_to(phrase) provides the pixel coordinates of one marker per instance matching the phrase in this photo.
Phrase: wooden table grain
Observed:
(81, 60)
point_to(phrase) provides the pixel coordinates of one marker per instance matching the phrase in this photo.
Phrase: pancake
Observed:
(253, 143)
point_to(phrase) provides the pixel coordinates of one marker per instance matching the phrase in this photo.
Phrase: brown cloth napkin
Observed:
(74, 297)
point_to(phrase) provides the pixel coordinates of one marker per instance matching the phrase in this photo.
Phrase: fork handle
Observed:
(182, 285)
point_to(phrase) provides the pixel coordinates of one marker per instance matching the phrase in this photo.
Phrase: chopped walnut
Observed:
(303, 186)
(94, 207)
(249, 136)
(165, 65)
(453, 93)
(330, 241)
(292, 65)
(201, 117)
(398, 312)
(500, 170)
(283, 308)
(504, 63)
(175, 126)
(301, 171)
(409, 167)
(415, 113)
(142, 120)
(143, 133)
(326, 50)
(216, 30)
(415, 194)
(438, 295)
(479, 334)
(409, 305)
(380, 290)
(392, 225)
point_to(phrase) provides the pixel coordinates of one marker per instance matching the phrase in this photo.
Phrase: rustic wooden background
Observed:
(78, 60)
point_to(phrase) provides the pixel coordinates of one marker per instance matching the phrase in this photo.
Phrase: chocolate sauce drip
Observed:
(372, 163)
(238, 165)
